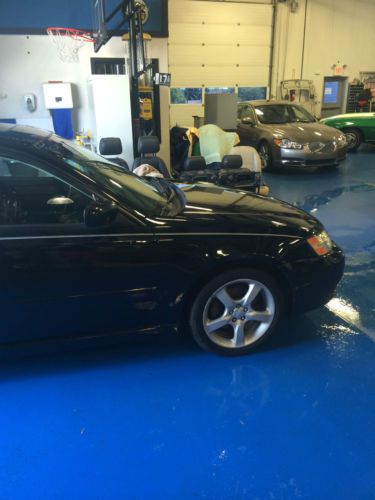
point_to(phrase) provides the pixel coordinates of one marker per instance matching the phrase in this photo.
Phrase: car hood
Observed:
(212, 209)
(303, 132)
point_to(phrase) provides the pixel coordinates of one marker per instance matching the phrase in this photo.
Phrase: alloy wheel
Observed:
(265, 154)
(238, 313)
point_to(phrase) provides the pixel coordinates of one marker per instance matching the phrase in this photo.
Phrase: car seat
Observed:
(148, 146)
(195, 170)
(110, 146)
(233, 175)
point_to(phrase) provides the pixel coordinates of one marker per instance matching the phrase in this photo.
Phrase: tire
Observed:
(265, 154)
(354, 139)
(231, 300)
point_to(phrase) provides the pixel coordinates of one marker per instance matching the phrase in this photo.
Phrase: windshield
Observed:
(283, 113)
(151, 197)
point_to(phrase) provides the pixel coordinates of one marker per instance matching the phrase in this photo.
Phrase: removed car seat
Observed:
(112, 146)
(233, 175)
(195, 170)
(148, 146)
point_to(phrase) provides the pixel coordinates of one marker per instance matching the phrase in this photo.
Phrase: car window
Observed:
(137, 193)
(276, 113)
(246, 112)
(30, 195)
(299, 114)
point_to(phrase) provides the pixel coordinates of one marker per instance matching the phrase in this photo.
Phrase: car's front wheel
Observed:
(353, 138)
(236, 311)
(265, 154)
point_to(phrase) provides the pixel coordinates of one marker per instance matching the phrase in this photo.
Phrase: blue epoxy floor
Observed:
(159, 419)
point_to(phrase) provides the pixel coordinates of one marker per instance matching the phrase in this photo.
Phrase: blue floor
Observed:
(160, 419)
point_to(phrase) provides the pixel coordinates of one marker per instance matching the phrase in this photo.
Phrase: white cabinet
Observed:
(110, 109)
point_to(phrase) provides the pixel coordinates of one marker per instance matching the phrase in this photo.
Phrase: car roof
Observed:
(11, 130)
(22, 136)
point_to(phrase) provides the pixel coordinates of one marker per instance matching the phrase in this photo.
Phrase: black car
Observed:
(87, 249)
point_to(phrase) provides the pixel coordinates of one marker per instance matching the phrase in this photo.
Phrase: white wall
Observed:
(336, 30)
(28, 61)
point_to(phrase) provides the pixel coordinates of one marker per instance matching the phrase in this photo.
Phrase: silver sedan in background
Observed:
(287, 135)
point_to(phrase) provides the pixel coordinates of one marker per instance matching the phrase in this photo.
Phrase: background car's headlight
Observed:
(287, 144)
(321, 244)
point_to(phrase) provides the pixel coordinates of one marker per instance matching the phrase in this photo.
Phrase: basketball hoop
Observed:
(68, 42)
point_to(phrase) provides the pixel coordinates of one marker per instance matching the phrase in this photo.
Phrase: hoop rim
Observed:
(76, 34)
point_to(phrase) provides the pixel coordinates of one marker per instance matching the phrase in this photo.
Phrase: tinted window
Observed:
(29, 195)
(282, 113)
(150, 197)
(246, 112)
(299, 114)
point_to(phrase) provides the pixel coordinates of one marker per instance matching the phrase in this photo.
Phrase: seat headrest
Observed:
(148, 144)
(232, 161)
(110, 146)
(195, 163)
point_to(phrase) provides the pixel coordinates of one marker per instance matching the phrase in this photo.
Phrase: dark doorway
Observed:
(107, 66)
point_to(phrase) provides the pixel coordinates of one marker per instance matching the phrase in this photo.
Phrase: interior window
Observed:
(30, 195)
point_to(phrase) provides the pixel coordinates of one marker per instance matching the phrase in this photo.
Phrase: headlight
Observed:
(341, 140)
(287, 144)
(321, 244)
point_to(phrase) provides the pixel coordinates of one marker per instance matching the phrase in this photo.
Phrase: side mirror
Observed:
(248, 121)
(97, 214)
(60, 200)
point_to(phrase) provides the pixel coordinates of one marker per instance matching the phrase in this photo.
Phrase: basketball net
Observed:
(68, 41)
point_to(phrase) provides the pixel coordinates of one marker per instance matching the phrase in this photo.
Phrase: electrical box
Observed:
(58, 95)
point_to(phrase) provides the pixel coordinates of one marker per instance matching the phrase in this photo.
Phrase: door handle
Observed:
(60, 200)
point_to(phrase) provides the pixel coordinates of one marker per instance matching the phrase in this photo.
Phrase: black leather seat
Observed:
(148, 146)
(195, 170)
(232, 175)
(111, 146)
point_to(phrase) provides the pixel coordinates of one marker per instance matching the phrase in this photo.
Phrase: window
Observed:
(246, 112)
(107, 66)
(219, 90)
(29, 195)
(300, 114)
(273, 113)
(251, 93)
(186, 95)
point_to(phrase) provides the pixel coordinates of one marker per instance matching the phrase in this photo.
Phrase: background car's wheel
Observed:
(265, 154)
(236, 311)
(354, 138)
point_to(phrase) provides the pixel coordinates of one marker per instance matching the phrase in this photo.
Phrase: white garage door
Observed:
(216, 44)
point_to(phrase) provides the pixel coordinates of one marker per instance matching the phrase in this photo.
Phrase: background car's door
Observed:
(57, 275)
(247, 126)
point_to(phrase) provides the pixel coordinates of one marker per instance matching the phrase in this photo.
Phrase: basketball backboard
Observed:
(109, 18)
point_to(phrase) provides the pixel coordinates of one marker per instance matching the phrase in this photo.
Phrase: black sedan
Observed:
(87, 249)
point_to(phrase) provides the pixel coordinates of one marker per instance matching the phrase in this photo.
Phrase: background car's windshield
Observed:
(282, 113)
(142, 195)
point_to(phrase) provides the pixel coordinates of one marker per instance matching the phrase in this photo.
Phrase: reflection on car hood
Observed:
(212, 209)
(303, 132)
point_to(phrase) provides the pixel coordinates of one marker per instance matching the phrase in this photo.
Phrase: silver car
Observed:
(287, 135)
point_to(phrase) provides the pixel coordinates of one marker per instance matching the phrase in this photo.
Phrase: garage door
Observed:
(214, 45)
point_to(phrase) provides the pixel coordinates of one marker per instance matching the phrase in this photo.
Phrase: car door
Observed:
(59, 276)
(247, 125)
